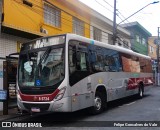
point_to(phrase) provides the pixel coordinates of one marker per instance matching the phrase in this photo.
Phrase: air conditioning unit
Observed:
(42, 30)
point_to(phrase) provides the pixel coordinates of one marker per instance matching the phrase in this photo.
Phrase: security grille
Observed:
(78, 26)
(97, 34)
(52, 16)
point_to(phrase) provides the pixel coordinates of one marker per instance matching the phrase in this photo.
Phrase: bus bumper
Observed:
(63, 105)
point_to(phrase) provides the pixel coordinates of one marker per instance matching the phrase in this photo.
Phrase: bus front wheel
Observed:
(98, 103)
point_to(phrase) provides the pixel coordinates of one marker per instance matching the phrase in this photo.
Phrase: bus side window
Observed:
(72, 60)
(99, 66)
(106, 63)
(112, 61)
(81, 61)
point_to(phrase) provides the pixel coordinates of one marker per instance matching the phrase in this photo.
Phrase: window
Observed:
(97, 34)
(145, 65)
(72, 59)
(143, 41)
(81, 61)
(137, 39)
(130, 63)
(52, 16)
(151, 49)
(135, 64)
(43, 67)
(99, 64)
(125, 44)
(78, 26)
(112, 62)
(78, 62)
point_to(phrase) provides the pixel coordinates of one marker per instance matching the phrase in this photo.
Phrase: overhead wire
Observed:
(120, 18)
(104, 6)
(116, 10)
(59, 16)
(107, 37)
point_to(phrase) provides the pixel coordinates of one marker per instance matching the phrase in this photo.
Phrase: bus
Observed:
(68, 72)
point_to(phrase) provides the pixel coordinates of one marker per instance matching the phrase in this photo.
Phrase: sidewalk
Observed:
(11, 114)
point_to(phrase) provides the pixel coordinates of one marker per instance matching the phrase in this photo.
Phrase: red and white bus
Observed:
(66, 73)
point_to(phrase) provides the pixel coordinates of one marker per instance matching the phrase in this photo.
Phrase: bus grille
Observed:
(43, 107)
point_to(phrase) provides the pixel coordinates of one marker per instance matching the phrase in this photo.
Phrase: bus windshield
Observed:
(41, 67)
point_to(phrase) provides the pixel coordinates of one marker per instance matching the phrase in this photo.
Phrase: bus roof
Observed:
(106, 45)
(94, 42)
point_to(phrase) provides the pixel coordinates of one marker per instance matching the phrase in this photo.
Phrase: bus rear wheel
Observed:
(141, 90)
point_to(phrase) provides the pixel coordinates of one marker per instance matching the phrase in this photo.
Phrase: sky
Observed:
(149, 17)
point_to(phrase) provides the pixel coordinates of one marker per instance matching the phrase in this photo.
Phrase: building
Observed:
(139, 37)
(36, 18)
(152, 51)
(152, 47)
(102, 30)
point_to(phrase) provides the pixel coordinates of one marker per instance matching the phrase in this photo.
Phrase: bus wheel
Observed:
(98, 104)
(141, 90)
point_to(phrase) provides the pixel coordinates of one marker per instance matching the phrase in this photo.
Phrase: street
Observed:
(128, 109)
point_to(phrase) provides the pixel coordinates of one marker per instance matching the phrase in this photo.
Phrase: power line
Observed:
(116, 9)
(119, 17)
(108, 9)
(104, 6)
(108, 3)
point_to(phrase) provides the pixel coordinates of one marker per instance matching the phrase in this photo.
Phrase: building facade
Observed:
(152, 51)
(139, 37)
(102, 30)
(152, 47)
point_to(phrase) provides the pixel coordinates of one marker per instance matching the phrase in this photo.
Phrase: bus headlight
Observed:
(59, 96)
(18, 96)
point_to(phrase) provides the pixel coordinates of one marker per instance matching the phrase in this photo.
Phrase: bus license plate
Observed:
(35, 109)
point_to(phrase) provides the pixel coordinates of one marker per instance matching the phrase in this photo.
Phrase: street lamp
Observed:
(114, 20)
(155, 2)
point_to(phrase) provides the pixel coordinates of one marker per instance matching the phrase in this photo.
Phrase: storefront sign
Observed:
(1, 74)
(3, 95)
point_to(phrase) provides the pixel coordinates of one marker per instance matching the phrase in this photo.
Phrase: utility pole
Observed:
(158, 82)
(114, 19)
(114, 24)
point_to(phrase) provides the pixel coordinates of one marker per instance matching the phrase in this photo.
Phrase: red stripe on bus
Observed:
(133, 83)
(39, 98)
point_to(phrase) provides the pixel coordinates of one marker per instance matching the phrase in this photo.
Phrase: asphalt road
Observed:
(120, 111)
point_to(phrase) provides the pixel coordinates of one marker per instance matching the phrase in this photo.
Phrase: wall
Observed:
(138, 47)
(151, 43)
(105, 38)
(8, 45)
(31, 19)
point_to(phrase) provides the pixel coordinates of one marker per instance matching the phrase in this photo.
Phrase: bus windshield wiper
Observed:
(44, 57)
